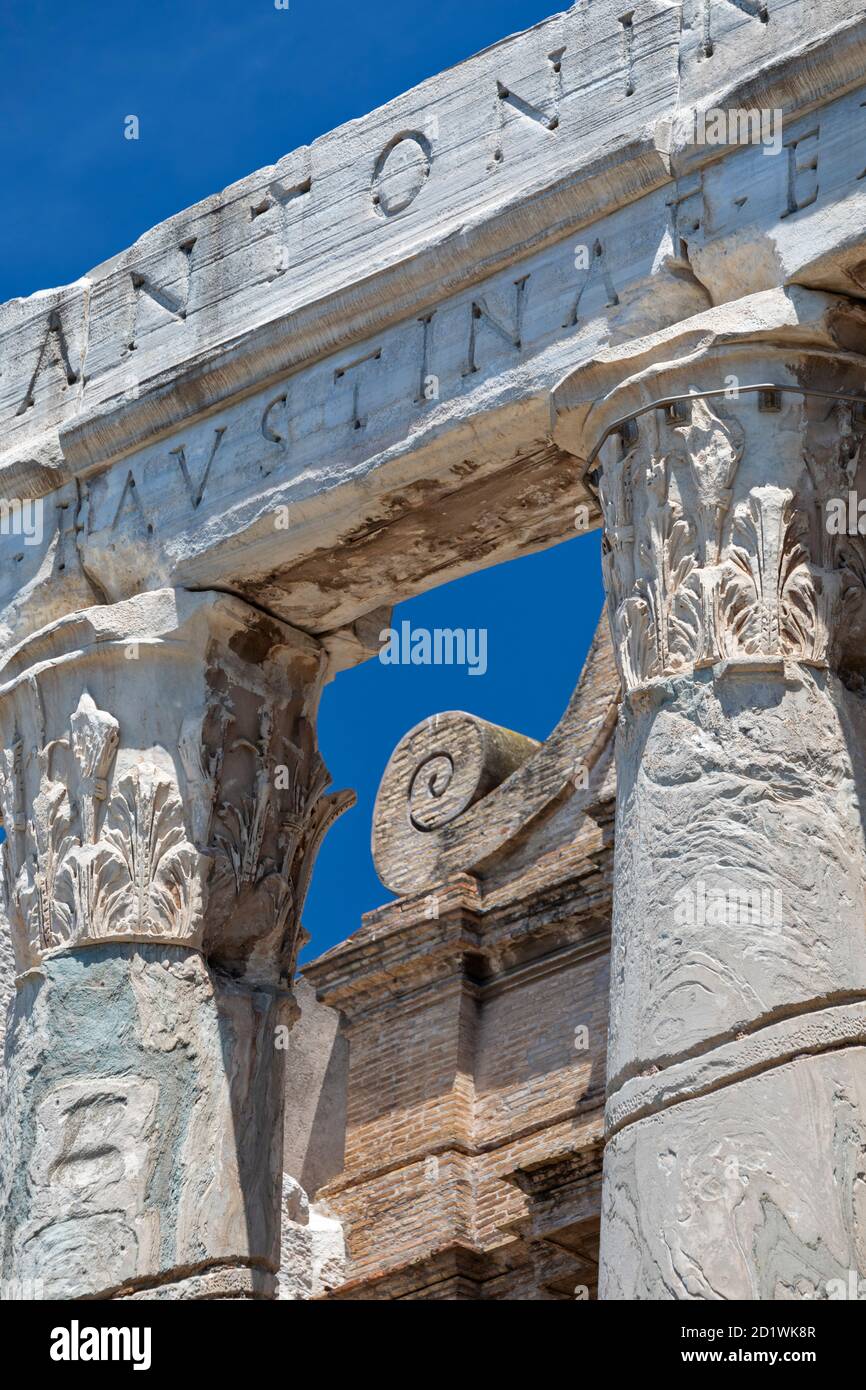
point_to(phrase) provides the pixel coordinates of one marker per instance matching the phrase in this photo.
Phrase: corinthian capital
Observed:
(721, 451)
(160, 782)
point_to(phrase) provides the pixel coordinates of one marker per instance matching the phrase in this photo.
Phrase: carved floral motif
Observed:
(104, 855)
(265, 839)
(698, 572)
(94, 740)
(74, 872)
(143, 878)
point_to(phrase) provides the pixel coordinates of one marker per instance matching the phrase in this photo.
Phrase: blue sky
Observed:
(540, 613)
(221, 89)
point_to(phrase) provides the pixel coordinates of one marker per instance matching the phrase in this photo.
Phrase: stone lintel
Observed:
(536, 170)
(295, 432)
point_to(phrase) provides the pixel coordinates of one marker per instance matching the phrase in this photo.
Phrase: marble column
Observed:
(735, 1163)
(163, 799)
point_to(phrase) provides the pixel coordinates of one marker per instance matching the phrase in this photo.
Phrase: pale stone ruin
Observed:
(610, 272)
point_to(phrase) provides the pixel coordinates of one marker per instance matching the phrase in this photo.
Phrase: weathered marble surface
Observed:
(7, 981)
(375, 366)
(313, 1251)
(747, 786)
(754, 1192)
(141, 1122)
(737, 617)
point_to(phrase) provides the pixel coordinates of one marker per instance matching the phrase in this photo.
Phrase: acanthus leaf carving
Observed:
(244, 822)
(201, 770)
(37, 888)
(265, 842)
(136, 876)
(710, 576)
(670, 567)
(128, 853)
(94, 739)
(714, 448)
(760, 563)
(143, 876)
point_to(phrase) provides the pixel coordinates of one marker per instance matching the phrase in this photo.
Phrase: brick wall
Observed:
(474, 1121)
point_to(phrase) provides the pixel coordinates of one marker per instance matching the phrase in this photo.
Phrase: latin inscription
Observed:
(422, 363)
(172, 300)
(53, 353)
(400, 173)
(547, 117)
(196, 489)
(165, 294)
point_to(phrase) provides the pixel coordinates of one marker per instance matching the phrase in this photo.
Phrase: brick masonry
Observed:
(476, 1020)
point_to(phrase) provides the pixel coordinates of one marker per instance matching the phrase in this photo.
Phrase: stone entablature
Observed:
(177, 404)
(588, 107)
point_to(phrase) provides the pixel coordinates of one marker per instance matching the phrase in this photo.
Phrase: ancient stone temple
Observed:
(610, 1038)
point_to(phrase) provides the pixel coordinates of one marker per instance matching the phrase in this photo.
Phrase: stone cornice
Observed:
(402, 953)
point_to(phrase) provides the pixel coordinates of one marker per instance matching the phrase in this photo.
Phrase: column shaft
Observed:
(163, 799)
(736, 1115)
